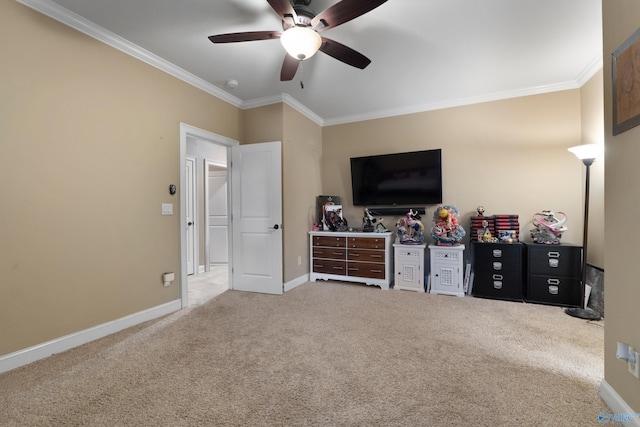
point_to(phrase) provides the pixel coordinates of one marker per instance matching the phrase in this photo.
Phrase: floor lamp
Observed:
(587, 153)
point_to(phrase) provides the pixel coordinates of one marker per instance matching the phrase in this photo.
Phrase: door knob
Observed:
(189, 223)
(275, 227)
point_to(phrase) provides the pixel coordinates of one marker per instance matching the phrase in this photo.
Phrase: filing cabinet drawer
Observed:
(554, 290)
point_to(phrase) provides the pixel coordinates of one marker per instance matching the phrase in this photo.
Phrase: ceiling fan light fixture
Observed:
(301, 42)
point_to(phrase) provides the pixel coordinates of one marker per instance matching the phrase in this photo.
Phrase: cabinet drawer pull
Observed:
(338, 268)
(497, 266)
(553, 290)
(553, 262)
(497, 277)
(497, 253)
(376, 271)
(553, 254)
(553, 281)
(376, 256)
(354, 254)
(497, 284)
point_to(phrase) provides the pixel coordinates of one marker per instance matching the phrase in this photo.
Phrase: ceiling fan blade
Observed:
(284, 8)
(289, 68)
(245, 37)
(344, 53)
(342, 12)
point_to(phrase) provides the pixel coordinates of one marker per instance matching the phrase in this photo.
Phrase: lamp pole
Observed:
(584, 312)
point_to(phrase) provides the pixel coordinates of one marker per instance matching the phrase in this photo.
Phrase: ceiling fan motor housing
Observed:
(304, 15)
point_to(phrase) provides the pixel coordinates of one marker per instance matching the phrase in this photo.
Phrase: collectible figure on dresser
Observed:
(410, 229)
(446, 230)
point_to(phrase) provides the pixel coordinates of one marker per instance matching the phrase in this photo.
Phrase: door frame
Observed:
(195, 243)
(186, 132)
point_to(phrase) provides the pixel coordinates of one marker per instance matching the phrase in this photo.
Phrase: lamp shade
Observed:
(301, 42)
(587, 151)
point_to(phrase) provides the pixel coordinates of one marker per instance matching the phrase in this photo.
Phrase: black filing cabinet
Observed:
(554, 274)
(499, 270)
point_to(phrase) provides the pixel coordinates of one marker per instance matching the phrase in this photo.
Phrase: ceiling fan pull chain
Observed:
(301, 74)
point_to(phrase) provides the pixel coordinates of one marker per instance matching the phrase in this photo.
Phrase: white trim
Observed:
(296, 282)
(617, 403)
(29, 355)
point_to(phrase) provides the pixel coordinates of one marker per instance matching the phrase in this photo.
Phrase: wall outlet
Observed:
(634, 367)
(299, 259)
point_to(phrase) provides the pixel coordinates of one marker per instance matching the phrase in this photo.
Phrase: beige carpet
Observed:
(324, 354)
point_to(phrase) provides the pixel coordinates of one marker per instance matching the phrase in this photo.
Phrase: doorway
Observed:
(200, 152)
(254, 219)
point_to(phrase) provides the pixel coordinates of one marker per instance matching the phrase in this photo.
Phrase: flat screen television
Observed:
(413, 178)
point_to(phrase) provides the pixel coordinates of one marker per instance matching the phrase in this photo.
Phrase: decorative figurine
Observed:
(447, 231)
(480, 210)
(548, 227)
(410, 229)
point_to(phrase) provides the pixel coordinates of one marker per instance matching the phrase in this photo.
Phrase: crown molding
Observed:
(77, 22)
(497, 96)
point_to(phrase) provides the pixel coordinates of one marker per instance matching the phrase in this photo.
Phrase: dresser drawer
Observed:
(328, 266)
(366, 242)
(329, 253)
(366, 255)
(330, 241)
(551, 260)
(366, 269)
(554, 290)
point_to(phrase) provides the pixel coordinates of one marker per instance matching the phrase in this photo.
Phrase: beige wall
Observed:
(622, 292)
(89, 143)
(509, 156)
(301, 175)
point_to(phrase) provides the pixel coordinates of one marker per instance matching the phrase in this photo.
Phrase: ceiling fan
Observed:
(300, 28)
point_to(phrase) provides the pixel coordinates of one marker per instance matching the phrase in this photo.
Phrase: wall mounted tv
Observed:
(413, 178)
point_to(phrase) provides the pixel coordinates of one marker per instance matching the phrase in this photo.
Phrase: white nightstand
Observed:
(447, 270)
(409, 267)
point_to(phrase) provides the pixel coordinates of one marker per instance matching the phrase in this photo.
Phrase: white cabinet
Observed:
(447, 270)
(409, 267)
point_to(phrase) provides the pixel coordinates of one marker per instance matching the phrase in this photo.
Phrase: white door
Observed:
(190, 228)
(256, 192)
(218, 217)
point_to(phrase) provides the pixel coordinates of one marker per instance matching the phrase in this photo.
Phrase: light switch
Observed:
(167, 209)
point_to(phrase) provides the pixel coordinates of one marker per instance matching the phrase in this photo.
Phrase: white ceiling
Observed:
(426, 54)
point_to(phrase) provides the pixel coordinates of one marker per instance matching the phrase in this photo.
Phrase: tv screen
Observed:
(413, 178)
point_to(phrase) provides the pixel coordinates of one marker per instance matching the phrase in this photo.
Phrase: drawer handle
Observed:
(497, 284)
(353, 254)
(338, 268)
(553, 290)
(376, 256)
(376, 271)
(553, 254)
(553, 263)
(336, 253)
(497, 277)
(553, 281)
(497, 253)
(497, 266)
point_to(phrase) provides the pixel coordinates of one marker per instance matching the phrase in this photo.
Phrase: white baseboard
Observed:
(296, 282)
(29, 355)
(618, 406)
